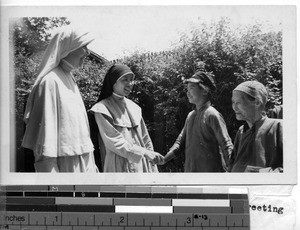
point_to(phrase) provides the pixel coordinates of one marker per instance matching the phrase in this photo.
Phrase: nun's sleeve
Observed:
(115, 142)
(41, 130)
(145, 136)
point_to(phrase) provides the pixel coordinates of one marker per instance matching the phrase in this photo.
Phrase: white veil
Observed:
(64, 40)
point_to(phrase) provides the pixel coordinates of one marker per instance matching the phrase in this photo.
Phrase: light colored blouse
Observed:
(124, 135)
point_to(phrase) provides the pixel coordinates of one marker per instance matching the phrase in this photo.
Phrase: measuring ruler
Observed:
(124, 208)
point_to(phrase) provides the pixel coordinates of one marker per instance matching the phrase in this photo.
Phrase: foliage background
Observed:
(232, 55)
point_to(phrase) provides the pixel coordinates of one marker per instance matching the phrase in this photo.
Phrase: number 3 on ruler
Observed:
(188, 220)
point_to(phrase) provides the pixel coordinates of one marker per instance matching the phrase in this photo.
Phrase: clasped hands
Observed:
(155, 157)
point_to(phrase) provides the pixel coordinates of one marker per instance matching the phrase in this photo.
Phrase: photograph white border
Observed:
(289, 129)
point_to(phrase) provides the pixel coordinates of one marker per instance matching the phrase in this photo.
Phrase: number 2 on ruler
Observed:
(122, 219)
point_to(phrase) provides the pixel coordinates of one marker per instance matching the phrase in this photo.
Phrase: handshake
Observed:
(155, 157)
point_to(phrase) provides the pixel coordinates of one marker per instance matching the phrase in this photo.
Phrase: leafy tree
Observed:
(232, 55)
(30, 35)
(89, 79)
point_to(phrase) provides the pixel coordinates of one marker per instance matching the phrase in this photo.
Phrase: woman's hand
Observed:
(154, 157)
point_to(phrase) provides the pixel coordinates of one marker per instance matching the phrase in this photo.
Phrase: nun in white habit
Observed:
(57, 128)
(126, 145)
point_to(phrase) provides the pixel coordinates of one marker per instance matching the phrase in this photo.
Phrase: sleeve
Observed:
(220, 131)
(178, 144)
(145, 136)
(234, 151)
(277, 161)
(49, 121)
(115, 142)
(41, 129)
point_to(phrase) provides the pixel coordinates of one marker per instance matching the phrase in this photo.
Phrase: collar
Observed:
(204, 106)
(256, 124)
(117, 96)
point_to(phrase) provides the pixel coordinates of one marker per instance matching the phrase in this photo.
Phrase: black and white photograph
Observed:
(148, 94)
